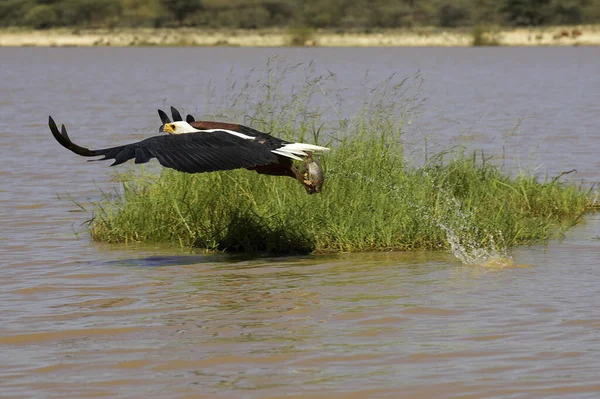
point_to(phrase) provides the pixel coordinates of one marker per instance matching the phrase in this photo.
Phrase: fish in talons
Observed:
(311, 175)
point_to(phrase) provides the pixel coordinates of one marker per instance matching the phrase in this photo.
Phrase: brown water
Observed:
(80, 319)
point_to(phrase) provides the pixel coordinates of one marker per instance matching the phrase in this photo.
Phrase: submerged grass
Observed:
(373, 199)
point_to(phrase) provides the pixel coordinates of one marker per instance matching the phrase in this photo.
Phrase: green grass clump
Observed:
(373, 198)
(371, 201)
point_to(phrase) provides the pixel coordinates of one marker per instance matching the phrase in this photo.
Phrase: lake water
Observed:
(81, 319)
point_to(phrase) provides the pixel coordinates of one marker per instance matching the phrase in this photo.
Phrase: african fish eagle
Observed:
(203, 146)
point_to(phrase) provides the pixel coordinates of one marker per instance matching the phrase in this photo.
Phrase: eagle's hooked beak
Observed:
(167, 128)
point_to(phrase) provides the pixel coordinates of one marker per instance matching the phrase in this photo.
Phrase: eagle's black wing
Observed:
(163, 117)
(189, 152)
(176, 115)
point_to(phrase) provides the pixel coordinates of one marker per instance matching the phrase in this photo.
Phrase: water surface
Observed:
(80, 319)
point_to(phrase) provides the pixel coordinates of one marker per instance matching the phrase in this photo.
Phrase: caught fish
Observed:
(312, 175)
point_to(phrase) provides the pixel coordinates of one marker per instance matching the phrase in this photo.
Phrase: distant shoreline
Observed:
(581, 35)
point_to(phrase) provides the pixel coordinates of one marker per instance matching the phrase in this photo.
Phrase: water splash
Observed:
(469, 252)
(461, 233)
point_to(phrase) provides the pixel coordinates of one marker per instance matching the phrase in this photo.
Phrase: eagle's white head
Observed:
(179, 127)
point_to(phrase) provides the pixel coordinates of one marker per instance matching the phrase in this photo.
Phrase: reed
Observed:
(373, 197)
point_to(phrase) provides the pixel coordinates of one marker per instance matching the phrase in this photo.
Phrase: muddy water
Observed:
(80, 319)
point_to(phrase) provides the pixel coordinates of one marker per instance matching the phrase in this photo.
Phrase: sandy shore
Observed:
(587, 35)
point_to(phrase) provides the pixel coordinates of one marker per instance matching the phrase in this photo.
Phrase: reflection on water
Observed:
(160, 261)
(81, 319)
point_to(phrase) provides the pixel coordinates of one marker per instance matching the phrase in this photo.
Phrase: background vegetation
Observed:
(364, 15)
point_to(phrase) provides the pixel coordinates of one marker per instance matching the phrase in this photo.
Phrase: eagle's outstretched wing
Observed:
(190, 152)
(176, 116)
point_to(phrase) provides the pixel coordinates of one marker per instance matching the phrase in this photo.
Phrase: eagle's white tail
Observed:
(294, 149)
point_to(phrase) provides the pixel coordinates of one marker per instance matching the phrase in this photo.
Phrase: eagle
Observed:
(204, 146)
